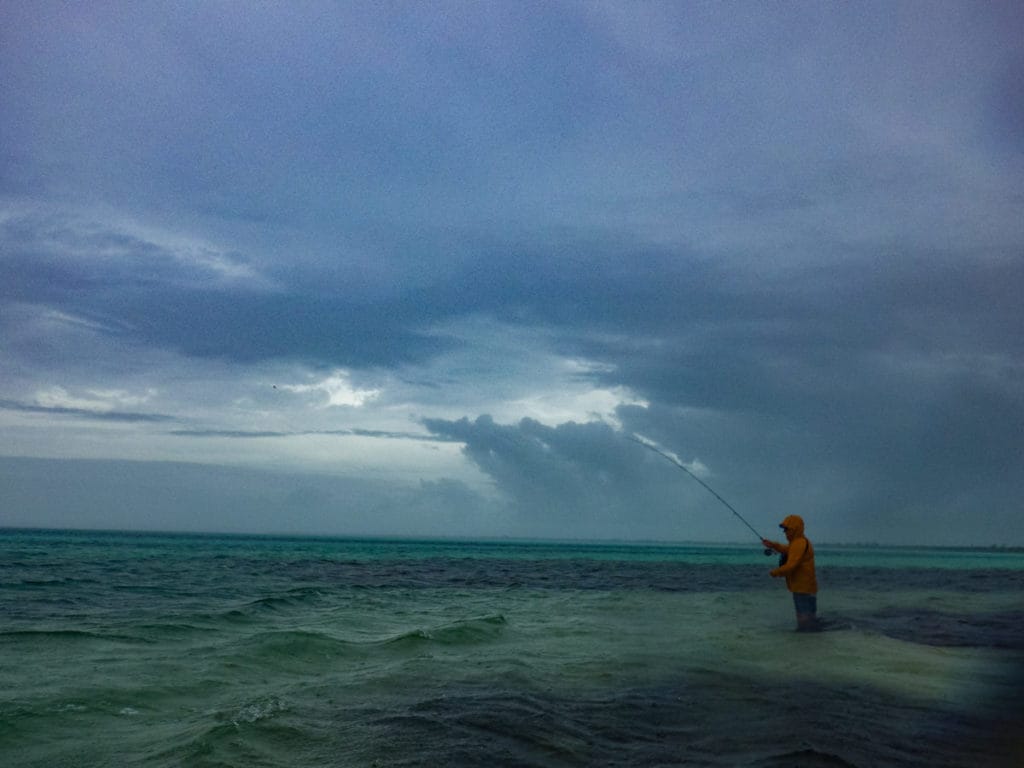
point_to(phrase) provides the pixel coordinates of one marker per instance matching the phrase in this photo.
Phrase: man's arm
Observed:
(782, 548)
(794, 555)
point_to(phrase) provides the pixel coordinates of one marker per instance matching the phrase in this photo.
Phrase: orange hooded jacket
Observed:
(799, 567)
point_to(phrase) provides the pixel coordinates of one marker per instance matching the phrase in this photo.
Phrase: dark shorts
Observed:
(805, 603)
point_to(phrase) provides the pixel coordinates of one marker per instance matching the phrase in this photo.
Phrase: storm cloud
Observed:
(454, 254)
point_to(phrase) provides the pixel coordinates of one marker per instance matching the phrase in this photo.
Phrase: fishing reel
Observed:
(768, 552)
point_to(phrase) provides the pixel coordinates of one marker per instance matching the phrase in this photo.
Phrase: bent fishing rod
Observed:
(653, 446)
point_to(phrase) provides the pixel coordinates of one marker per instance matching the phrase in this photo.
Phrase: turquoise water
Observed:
(166, 650)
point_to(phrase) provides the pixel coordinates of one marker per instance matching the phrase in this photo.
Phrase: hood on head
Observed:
(795, 523)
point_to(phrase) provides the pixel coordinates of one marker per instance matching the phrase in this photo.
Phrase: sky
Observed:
(424, 269)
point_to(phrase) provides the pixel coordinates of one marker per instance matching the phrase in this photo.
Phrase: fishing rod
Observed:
(653, 446)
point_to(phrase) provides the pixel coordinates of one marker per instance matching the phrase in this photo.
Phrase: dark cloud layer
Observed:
(593, 477)
(587, 480)
(85, 413)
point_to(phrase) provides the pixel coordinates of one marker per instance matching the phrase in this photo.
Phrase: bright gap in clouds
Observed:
(510, 372)
(338, 389)
(574, 398)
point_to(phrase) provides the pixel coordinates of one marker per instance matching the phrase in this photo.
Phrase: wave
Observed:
(293, 648)
(806, 758)
(292, 598)
(299, 648)
(254, 732)
(463, 632)
(67, 635)
(52, 582)
(259, 709)
(173, 630)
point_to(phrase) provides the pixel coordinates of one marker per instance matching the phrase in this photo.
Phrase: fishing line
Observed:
(653, 446)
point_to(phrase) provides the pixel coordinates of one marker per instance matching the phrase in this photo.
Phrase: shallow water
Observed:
(122, 649)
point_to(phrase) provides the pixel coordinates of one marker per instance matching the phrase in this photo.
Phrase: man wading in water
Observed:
(797, 565)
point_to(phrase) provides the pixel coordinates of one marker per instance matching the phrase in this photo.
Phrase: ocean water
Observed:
(172, 650)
